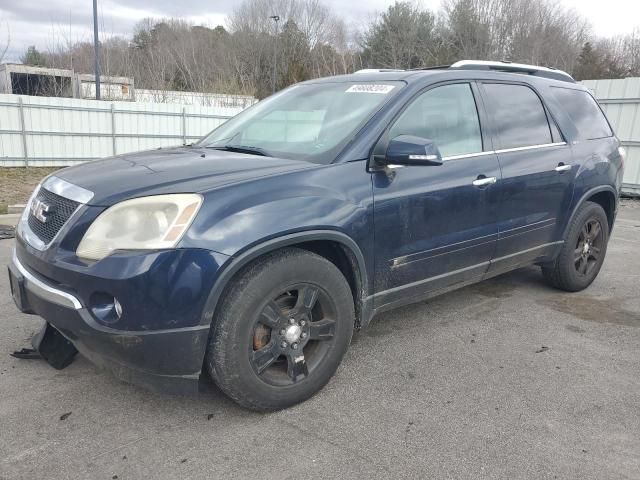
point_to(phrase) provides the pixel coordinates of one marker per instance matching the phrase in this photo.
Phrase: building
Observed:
(54, 82)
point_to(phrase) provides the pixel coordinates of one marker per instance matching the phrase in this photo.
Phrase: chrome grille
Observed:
(60, 209)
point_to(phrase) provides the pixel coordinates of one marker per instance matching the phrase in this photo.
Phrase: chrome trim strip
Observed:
(477, 265)
(530, 147)
(23, 230)
(423, 254)
(431, 279)
(504, 150)
(528, 250)
(403, 261)
(43, 290)
(469, 155)
(547, 222)
(31, 238)
(67, 190)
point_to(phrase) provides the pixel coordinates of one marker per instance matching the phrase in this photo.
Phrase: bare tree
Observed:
(171, 54)
(5, 44)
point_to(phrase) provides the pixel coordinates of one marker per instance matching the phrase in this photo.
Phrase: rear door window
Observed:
(585, 113)
(518, 115)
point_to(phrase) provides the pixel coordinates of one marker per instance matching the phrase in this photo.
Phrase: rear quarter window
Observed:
(585, 113)
(518, 115)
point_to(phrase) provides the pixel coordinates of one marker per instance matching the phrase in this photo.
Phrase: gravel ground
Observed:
(16, 184)
(505, 379)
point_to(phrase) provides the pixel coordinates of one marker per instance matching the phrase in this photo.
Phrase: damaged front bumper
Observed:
(166, 360)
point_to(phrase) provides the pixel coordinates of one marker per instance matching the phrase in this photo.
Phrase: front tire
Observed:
(281, 331)
(583, 251)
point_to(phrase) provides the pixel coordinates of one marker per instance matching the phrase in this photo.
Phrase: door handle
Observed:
(562, 168)
(484, 181)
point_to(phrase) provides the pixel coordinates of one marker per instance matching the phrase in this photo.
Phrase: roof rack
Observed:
(506, 66)
(379, 70)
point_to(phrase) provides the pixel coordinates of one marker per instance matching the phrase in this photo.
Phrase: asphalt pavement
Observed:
(506, 379)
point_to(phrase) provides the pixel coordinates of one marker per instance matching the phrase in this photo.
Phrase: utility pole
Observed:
(276, 19)
(96, 48)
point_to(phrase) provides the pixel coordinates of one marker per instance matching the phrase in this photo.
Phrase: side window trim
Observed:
(495, 135)
(505, 150)
(485, 137)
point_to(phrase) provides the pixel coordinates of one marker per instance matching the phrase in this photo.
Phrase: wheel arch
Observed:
(337, 247)
(605, 196)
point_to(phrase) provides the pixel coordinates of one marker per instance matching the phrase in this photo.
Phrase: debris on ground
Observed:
(64, 416)
(7, 232)
(26, 354)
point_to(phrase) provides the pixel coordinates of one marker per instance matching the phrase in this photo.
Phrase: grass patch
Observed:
(17, 183)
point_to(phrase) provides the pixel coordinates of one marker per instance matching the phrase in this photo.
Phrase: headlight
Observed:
(140, 224)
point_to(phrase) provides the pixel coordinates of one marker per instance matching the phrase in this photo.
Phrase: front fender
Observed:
(235, 264)
(331, 203)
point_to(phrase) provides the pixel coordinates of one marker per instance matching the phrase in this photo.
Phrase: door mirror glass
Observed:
(411, 150)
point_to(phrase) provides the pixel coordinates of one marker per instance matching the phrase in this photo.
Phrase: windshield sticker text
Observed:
(369, 88)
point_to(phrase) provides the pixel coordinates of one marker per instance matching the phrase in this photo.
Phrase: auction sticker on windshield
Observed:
(370, 88)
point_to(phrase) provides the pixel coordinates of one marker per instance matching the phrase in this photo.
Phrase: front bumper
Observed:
(167, 360)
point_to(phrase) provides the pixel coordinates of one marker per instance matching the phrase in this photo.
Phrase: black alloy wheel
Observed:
(588, 247)
(281, 330)
(583, 251)
(292, 334)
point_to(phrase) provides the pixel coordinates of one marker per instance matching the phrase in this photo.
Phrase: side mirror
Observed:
(411, 150)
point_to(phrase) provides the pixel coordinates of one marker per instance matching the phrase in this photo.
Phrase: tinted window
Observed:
(518, 115)
(448, 116)
(585, 113)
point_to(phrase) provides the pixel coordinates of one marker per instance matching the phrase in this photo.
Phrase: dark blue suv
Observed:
(251, 256)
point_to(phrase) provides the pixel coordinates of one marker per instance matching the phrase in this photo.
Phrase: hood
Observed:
(175, 170)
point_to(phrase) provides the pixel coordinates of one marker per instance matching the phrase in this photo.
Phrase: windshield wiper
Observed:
(244, 149)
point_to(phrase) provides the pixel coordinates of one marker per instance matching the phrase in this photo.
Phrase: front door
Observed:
(537, 174)
(436, 225)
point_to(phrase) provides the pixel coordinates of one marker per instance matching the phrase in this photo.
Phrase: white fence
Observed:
(46, 131)
(620, 100)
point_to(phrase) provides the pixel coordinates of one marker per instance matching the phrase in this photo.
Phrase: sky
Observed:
(45, 23)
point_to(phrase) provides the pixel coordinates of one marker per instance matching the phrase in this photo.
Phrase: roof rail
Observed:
(505, 66)
(379, 70)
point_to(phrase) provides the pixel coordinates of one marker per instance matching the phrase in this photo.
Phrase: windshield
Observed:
(311, 122)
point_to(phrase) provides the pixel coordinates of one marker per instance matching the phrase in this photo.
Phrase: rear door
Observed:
(537, 174)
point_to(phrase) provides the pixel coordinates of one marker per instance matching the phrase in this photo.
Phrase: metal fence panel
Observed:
(620, 100)
(50, 131)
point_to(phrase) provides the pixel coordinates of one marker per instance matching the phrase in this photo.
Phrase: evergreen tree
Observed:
(33, 57)
(590, 64)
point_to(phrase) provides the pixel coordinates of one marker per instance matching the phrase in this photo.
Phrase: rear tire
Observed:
(281, 331)
(583, 251)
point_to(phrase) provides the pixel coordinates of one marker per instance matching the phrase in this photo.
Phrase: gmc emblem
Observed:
(40, 210)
